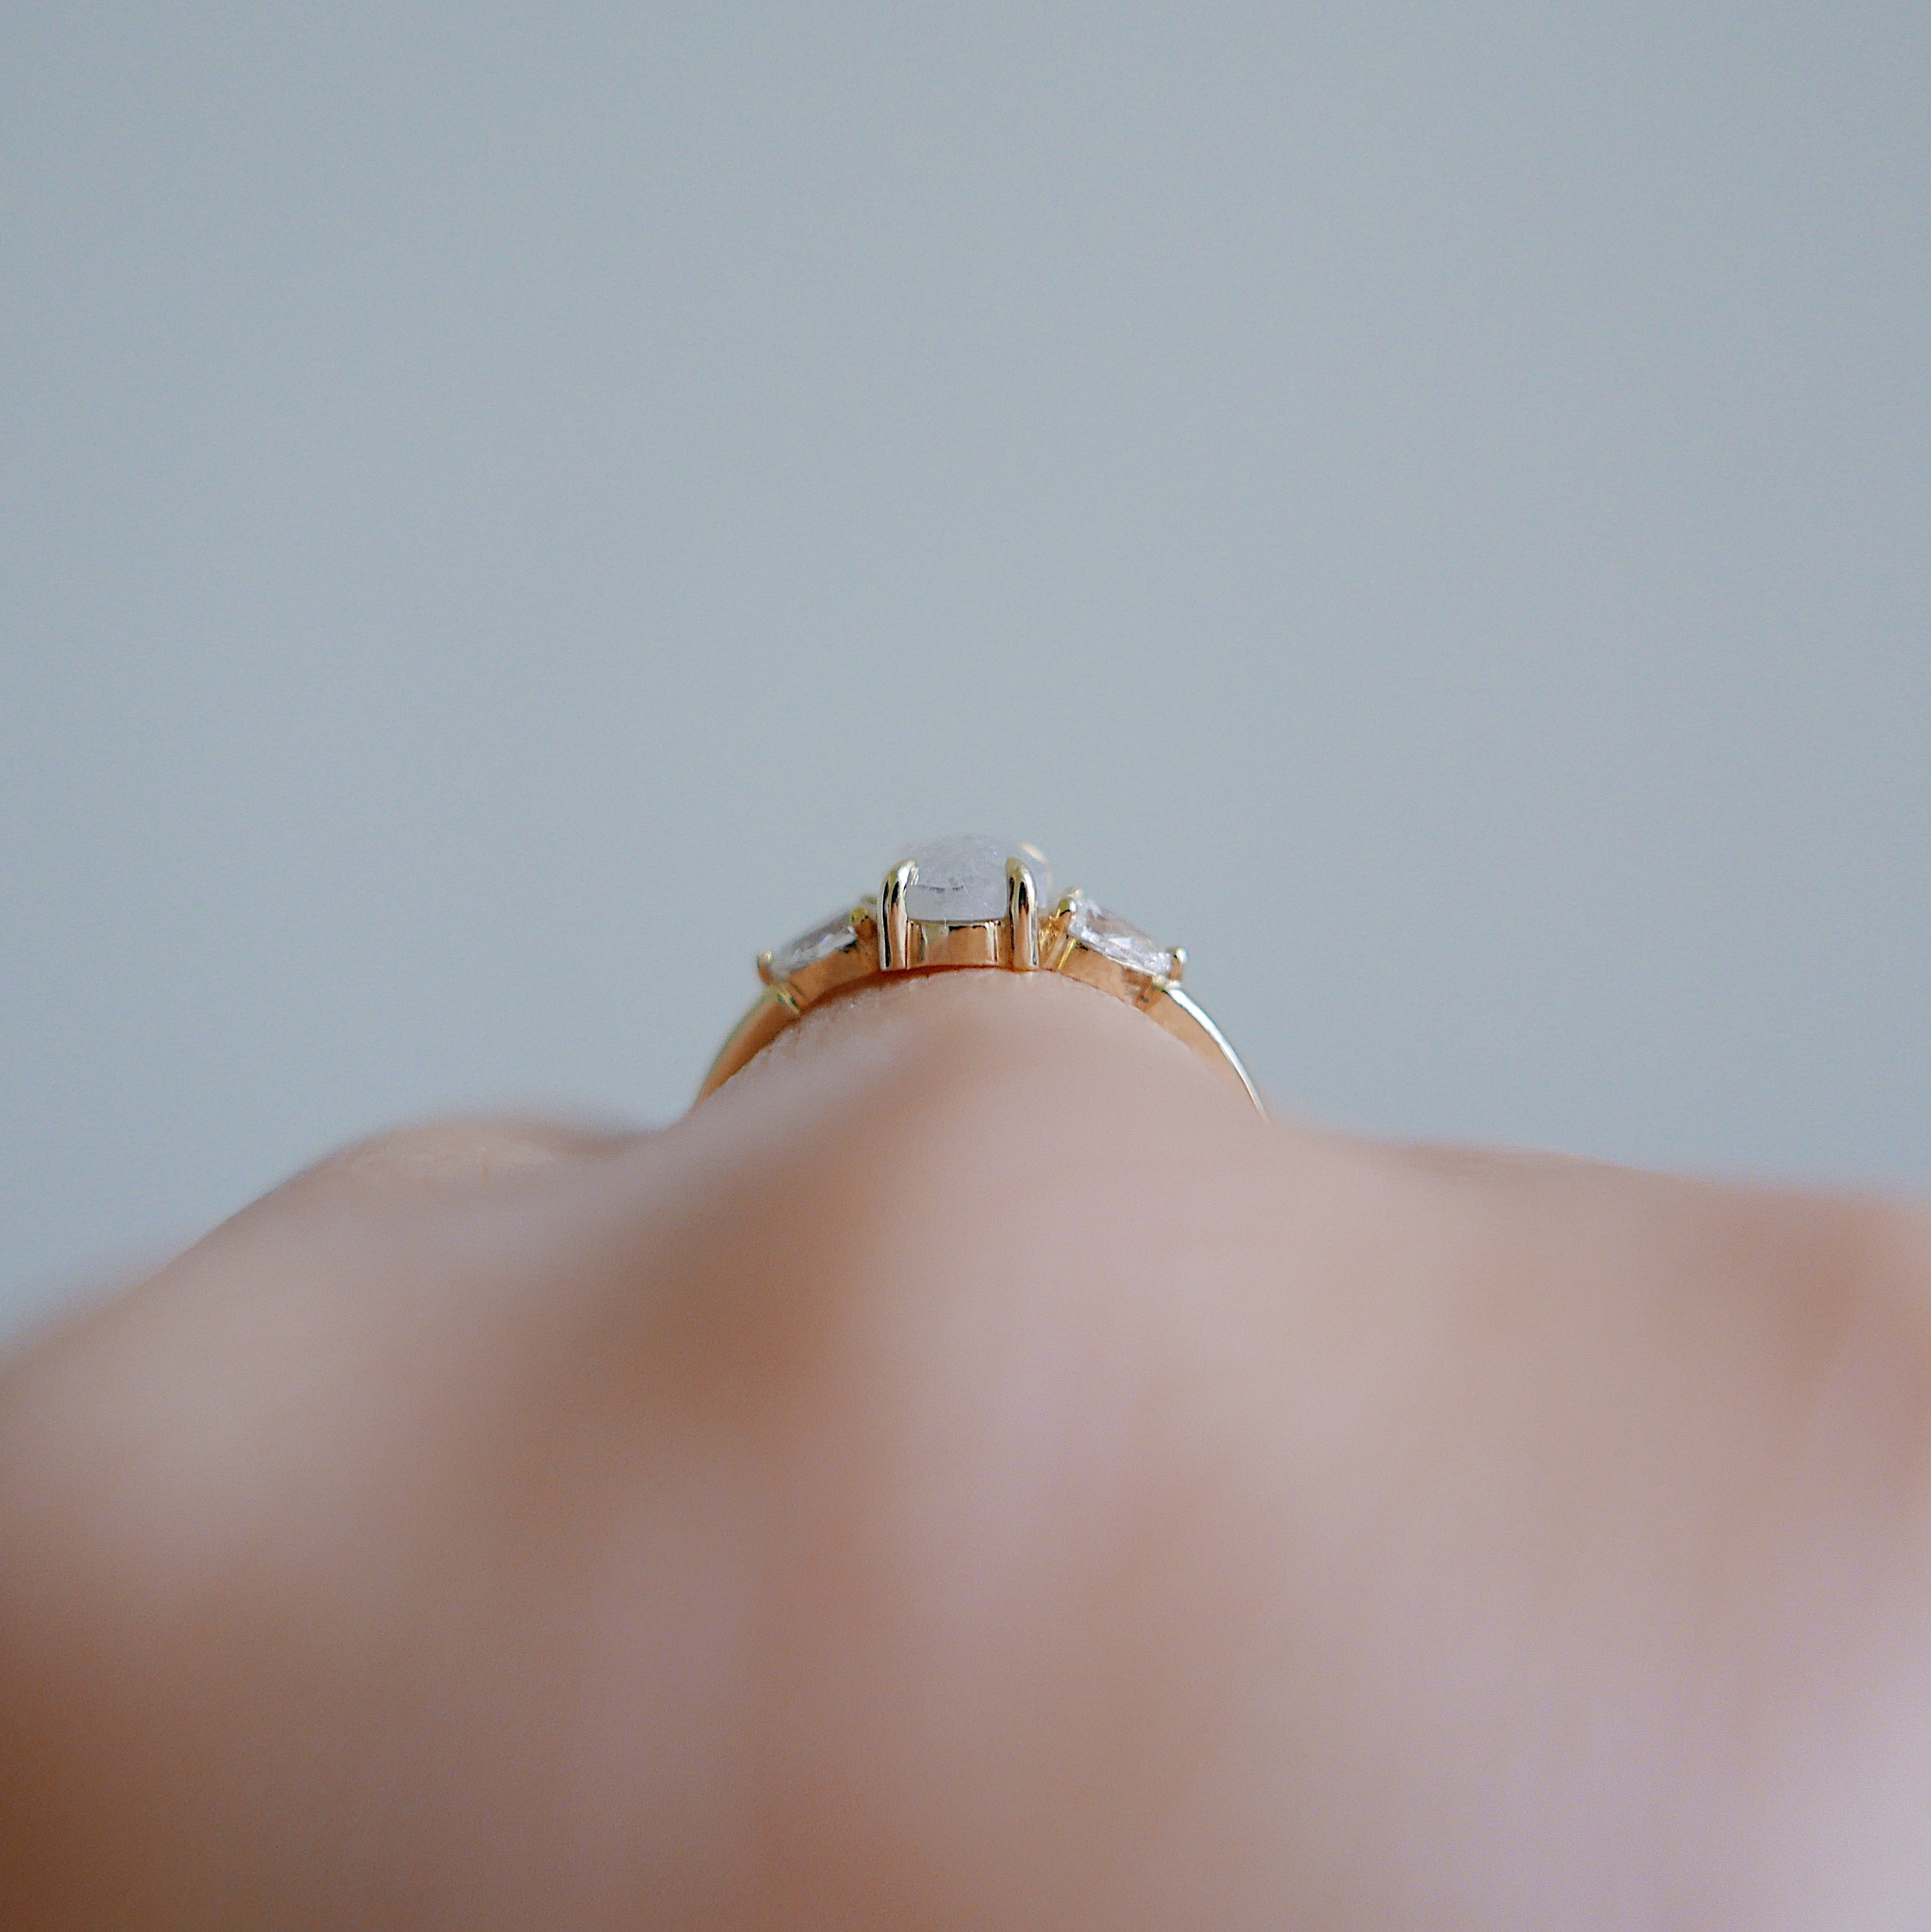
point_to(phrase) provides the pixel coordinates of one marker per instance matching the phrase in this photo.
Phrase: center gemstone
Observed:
(962, 881)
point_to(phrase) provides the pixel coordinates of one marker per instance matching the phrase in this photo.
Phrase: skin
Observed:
(972, 1472)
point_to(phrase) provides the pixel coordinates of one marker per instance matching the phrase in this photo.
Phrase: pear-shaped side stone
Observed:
(1119, 940)
(833, 935)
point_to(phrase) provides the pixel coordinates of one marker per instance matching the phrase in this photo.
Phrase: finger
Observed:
(457, 1151)
(969, 1472)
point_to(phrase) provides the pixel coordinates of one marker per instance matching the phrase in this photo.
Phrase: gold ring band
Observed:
(974, 902)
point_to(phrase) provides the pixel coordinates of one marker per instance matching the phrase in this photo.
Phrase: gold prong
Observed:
(1055, 957)
(894, 936)
(1022, 914)
(1179, 955)
(764, 972)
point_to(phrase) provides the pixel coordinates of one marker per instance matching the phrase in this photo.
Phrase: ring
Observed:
(974, 902)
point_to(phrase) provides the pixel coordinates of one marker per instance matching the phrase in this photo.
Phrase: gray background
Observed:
(501, 514)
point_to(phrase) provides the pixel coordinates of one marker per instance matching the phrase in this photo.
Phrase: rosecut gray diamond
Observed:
(962, 881)
(833, 935)
(1119, 940)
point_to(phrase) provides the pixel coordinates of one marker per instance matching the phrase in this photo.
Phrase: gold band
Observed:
(879, 938)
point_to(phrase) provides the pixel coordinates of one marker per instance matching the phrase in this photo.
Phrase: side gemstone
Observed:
(833, 935)
(1119, 940)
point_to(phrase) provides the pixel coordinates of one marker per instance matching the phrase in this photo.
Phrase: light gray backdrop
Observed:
(503, 513)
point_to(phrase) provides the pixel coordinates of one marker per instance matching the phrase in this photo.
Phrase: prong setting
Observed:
(1021, 915)
(894, 930)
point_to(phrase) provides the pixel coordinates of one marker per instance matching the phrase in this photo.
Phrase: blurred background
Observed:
(505, 512)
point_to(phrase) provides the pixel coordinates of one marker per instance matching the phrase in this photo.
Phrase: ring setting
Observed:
(967, 902)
